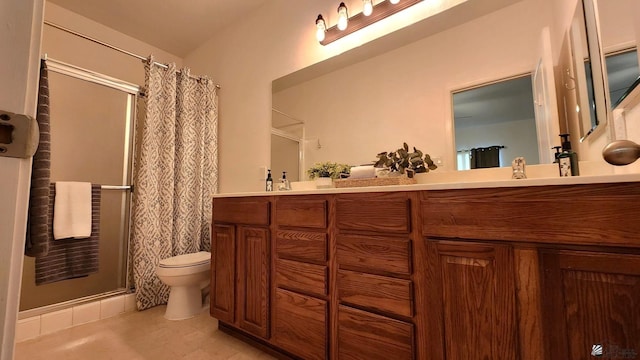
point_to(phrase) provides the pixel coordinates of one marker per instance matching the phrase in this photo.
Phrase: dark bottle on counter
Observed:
(568, 159)
(269, 186)
(555, 158)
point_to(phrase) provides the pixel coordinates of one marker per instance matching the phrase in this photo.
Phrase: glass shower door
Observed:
(91, 141)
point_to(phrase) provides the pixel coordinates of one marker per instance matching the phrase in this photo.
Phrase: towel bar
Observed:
(117, 187)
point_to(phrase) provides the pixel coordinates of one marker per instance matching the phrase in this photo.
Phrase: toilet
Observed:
(188, 276)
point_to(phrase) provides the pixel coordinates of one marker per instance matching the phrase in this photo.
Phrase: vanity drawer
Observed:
(375, 292)
(310, 213)
(362, 335)
(301, 325)
(534, 214)
(375, 254)
(254, 211)
(307, 278)
(383, 213)
(302, 246)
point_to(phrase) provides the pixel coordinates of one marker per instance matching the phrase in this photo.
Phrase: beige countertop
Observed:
(444, 182)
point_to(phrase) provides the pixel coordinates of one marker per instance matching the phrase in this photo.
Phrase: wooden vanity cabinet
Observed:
(241, 258)
(591, 299)
(528, 273)
(300, 310)
(541, 272)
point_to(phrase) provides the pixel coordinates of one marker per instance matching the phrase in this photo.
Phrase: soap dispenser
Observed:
(568, 159)
(284, 185)
(269, 183)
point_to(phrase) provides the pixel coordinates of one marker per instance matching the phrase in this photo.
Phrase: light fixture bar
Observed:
(359, 21)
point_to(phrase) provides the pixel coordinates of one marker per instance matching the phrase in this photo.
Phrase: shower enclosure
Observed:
(287, 146)
(92, 136)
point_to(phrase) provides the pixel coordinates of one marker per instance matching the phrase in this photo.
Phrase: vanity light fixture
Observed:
(343, 17)
(367, 7)
(370, 14)
(321, 28)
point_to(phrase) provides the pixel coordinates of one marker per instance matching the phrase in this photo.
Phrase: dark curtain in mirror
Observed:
(486, 157)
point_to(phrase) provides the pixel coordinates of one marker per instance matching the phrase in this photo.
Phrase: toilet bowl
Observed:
(187, 275)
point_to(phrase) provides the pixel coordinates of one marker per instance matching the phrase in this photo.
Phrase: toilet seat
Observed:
(186, 260)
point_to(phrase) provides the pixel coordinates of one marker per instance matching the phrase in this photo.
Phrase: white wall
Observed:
(618, 24)
(21, 23)
(562, 16)
(80, 52)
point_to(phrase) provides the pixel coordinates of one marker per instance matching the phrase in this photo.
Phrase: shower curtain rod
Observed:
(112, 47)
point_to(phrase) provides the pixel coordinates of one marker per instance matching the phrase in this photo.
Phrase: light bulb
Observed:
(343, 17)
(321, 28)
(367, 7)
(394, 1)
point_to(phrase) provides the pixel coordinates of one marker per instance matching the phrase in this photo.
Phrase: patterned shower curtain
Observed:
(175, 174)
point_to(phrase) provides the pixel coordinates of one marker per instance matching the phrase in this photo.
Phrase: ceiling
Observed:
(176, 26)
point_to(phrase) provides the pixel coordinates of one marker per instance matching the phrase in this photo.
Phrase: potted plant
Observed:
(323, 173)
(403, 161)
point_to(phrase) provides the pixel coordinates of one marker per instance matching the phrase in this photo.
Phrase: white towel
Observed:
(72, 210)
(362, 172)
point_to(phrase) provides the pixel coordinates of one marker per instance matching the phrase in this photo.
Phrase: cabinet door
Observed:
(223, 273)
(301, 324)
(591, 305)
(253, 280)
(472, 301)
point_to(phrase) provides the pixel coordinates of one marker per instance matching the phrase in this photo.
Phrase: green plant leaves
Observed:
(401, 160)
(328, 169)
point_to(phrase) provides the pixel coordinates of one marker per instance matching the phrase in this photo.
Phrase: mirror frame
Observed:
(598, 72)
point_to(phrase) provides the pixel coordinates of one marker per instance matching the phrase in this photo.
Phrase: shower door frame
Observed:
(124, 266)
(301, 152)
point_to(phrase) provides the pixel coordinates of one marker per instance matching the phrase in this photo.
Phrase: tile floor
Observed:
(140, 336)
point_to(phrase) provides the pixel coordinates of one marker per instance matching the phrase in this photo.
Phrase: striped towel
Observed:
(71, 258)
(38, 227)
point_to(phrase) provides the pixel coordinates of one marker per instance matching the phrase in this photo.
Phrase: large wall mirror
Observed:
(370, 100)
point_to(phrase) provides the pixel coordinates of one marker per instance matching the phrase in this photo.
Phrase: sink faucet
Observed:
(518, 168)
